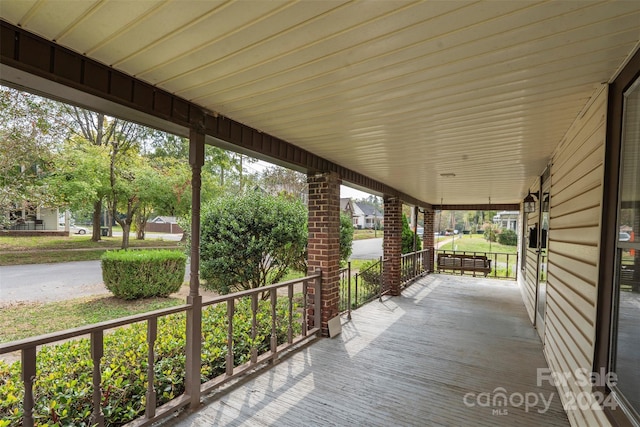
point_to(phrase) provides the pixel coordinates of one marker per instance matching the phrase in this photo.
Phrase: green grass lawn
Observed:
(356, 264)
(503, 264)
(31, 319)
(366, 234)
(48, 249)
(477, 243)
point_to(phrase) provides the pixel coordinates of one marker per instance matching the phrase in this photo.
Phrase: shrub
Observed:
(346, 237)
(407, 237)
(63, 386)
(491, 231)
(369, 285)
(143, 274)
(251, 240)
(508, 237)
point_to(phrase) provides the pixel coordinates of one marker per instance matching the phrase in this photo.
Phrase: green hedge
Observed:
(143, 273)
(63, 387)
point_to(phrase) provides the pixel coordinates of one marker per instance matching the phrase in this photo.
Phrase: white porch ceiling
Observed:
(401, 91)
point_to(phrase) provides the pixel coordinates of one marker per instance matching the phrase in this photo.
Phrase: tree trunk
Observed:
(140, 229)
(97, 212)
(126, 227)
(109, 223)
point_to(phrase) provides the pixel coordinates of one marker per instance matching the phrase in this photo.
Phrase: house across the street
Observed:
(164, 224)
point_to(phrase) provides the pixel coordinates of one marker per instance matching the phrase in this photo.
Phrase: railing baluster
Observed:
(305, 307)
(152, 334)
(349, 290)
(290, 322)
(316, 302)
(28, 375)
(254, 327)
(97, 351)
(356, 291)
(381, 280)
(274, 331)
(230, 311)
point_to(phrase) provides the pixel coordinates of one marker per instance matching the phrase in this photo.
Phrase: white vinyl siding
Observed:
(574, 236)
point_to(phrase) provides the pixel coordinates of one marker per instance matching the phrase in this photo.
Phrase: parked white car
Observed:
(73, 229)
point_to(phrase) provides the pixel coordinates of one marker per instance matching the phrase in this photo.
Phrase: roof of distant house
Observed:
(165, 220)
(369, 210)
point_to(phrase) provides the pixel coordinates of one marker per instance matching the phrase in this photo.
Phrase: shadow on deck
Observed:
(442, 354)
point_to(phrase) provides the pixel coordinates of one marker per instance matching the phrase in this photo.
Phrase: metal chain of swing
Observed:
(491, 231)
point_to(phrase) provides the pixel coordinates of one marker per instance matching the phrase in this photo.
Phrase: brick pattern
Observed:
(324, 245)
(427, 238)
(392, 244)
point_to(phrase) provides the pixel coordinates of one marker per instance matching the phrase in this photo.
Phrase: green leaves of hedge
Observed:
(251, 240)
(63, 388)
(143, 273)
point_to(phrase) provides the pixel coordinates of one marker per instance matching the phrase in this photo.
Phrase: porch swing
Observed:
(463, 262)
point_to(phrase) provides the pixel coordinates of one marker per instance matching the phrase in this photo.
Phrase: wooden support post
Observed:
(194, 315)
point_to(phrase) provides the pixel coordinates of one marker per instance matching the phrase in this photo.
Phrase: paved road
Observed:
(367, 249)
(50, 282)
(55, 282)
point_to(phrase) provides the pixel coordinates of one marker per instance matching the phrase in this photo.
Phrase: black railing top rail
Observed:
(374, 265)
(416, 253)
(371, 267)
(451, 251)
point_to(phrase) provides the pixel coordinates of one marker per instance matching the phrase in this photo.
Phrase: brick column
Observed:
(427, 237)
(324, 245)
(392, 244)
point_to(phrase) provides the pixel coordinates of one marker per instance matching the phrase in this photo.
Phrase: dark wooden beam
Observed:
(34, 55)
(480, 207)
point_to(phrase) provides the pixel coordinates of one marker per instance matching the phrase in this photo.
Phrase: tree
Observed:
(251, 240)
(491, 231)
(80, 175)
(121, 137)
(28, 142)
(276, 180)
(167, 191)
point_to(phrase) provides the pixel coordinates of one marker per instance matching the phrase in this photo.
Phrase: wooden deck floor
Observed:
(437, 356)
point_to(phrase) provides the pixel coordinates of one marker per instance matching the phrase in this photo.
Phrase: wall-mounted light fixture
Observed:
(530, 203)
(545, 202)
